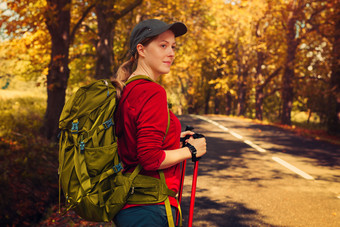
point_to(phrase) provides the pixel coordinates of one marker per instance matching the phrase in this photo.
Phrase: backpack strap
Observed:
(138, 77)
(167, 202)
(161, 173)
(168, 126)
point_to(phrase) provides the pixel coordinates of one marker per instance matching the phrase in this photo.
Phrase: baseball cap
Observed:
(153, 27)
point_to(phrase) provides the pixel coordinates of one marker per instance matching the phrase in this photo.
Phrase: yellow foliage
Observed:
(223, 41)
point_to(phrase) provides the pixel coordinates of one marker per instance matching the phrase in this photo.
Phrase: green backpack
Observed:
(90, 171)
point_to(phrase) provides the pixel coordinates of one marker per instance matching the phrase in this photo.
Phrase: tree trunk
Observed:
(288, 74)
(242, 92)
(217, 102)
(107, 17)
(58, 73)
(104, 46)
(228, 103)
(334, 96)
(259, 102)
(207, 99)
(242, 74)
(287, 92)
(259, 86)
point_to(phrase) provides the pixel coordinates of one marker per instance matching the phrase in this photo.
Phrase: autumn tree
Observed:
(108, 13)
(267, 48)
(333, 123)
(58, 17)
(297, 18)
(236, 56)
(58, 21)
(330, 30)
(25, 38)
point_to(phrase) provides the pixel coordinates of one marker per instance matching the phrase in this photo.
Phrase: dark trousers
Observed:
(144, 216)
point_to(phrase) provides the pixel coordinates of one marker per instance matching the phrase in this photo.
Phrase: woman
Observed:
(144, 135)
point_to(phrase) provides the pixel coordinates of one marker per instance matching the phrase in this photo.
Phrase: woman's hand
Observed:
(184, 134)
(176, 156)
(200, 144)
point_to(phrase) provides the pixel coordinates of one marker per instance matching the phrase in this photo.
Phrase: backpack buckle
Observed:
(82, 146)
(117, 168)
(107, 124)
(74, 129)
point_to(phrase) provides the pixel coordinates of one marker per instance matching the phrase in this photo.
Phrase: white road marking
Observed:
(219, 125)
(212, 122)
(236, 135)
(293, 168)
(256, 147)
(259, 149)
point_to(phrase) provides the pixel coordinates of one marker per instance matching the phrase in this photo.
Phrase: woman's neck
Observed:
(144, 70)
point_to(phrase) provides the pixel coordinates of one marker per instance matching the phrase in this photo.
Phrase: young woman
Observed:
(144, 135)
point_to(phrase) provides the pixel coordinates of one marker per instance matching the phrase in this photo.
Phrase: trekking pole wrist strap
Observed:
(193, 152)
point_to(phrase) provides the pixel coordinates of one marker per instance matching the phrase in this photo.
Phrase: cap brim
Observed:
(177, 28)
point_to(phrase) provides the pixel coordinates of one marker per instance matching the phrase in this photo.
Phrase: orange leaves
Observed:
(51, 87)
(69, 219)
(8, 142)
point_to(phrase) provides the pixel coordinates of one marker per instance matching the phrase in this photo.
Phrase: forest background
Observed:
(270, 60)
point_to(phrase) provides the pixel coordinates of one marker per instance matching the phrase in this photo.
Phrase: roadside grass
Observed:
(316, 132)
(310, 128)
(28, 162)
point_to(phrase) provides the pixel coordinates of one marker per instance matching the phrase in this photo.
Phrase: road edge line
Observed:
(293, 168)
(258, 148)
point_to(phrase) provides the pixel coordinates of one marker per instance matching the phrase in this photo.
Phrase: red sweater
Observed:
(142, 119)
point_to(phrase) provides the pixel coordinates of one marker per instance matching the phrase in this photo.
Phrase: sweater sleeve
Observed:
(151, 127)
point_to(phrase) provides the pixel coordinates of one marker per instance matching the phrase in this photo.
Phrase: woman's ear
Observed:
(140, 50)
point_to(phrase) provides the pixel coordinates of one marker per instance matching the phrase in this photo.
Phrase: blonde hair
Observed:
(122, 75)
(125, 70)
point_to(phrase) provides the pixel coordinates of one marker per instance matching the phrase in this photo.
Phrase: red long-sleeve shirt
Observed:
(142, 119)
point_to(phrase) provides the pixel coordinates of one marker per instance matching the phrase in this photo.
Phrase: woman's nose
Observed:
(172, 52)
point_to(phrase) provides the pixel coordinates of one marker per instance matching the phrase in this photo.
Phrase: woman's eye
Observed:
(173, 47)
(163, 46)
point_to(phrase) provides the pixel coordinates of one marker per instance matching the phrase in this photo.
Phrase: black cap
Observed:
(153, 27)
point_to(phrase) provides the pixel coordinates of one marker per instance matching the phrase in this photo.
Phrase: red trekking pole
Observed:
(184, 163)
(194, 179)
(193, 192)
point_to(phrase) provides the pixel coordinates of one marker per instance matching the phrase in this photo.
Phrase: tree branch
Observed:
(270, 77)
(89, 29)
(315, 27)
(130, 7)
(75, 28)
(272, 92)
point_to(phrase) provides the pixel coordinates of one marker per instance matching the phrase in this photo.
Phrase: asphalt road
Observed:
(259, 175)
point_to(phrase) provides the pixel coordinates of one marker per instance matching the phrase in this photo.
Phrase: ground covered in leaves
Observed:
(54, 217)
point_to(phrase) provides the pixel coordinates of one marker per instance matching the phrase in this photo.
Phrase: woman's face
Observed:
(159, 54)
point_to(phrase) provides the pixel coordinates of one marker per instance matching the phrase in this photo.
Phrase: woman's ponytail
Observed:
(123, 74)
